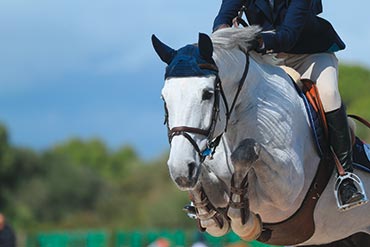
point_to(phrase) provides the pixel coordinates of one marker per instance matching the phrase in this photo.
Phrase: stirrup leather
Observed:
(360, 188)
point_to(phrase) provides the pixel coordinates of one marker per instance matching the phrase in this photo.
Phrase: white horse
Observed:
(222, 99)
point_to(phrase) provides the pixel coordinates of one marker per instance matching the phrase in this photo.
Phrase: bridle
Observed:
(212, 143)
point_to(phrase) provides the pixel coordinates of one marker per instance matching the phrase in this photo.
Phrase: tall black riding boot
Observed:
(340, 141)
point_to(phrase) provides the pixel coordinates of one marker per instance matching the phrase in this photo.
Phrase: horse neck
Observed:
(267, 103)
(232, 66)
(270, 111)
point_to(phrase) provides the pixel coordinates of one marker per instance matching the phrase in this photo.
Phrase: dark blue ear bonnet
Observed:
(186, 63)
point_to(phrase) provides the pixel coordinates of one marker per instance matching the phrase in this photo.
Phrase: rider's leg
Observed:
(339, 136)
(323, 69)
(340, 141)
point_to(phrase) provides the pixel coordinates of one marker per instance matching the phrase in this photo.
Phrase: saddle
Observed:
(287, 232)
(361, 155)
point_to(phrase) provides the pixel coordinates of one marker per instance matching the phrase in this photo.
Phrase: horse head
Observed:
(192, 107)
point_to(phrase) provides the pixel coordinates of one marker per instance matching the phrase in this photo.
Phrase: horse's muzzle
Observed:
(185, 183)
(188, 182)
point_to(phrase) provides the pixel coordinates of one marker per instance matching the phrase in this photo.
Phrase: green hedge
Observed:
(176, 238)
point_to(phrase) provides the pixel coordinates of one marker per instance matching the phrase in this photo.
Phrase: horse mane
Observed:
(240, 38)
(229, 38)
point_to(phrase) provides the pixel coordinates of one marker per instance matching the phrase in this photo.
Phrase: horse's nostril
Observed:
(192, 166)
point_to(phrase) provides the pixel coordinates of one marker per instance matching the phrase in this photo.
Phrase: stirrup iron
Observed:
(189, 209)
(357, 183)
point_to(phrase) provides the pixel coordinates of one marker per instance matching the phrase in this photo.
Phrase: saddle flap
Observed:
(312, 94)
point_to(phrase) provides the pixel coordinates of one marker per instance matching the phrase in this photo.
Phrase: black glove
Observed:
(257, 45)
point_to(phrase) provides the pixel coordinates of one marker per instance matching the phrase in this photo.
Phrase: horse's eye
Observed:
(207, 95)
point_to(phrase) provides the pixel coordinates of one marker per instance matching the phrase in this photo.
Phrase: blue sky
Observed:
(86, 68)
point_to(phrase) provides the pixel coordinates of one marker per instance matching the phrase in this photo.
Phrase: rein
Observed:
(360, 119)
(208, 133)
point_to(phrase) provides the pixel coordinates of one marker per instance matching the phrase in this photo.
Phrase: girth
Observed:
(299, 227)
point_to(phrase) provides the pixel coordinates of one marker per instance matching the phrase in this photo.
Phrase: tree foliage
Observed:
(81, 183)
(354, 85)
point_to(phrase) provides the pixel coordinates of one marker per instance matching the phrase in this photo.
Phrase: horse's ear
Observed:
(165, 52)
(205, 46)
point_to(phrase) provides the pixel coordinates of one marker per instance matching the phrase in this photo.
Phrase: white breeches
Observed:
(321, 68)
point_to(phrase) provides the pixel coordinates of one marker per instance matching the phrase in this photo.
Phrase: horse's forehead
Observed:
(187, 86)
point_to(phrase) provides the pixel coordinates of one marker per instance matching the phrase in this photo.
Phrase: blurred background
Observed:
(82, 144)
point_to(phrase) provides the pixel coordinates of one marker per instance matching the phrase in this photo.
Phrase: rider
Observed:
(305, 42)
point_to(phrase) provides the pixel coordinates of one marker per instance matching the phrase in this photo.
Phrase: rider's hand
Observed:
(258, 45)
